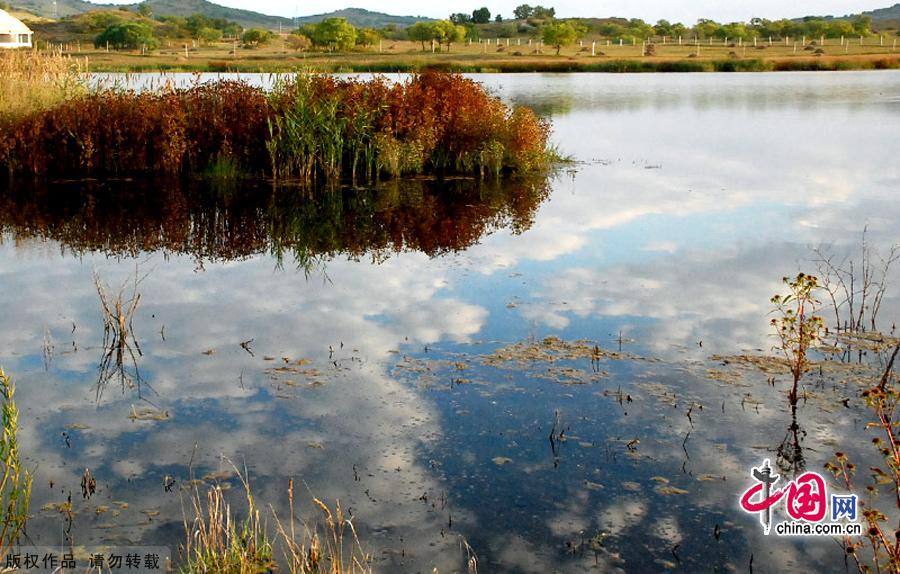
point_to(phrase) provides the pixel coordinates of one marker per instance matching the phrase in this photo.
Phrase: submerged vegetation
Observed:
(311, 128)
(15, 480)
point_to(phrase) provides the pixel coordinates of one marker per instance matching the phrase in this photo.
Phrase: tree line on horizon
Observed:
(141, 29)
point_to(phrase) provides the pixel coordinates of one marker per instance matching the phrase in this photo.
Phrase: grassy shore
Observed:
(399, 56)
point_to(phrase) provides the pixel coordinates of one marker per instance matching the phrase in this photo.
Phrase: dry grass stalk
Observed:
(218, 542)
(119, 343)
(15, 481)
(31, 81)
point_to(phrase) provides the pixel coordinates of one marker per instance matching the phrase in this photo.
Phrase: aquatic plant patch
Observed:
(311, 128)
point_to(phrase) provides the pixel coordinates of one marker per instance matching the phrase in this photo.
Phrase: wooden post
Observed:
(594, 48)
(186, 54)
(679, 40)
(803, 41)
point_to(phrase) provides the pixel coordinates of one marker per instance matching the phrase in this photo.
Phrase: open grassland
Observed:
(517, 56)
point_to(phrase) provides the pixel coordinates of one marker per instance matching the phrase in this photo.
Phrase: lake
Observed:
(555, 372)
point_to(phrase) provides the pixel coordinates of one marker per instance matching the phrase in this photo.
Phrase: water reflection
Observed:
(227, 221)
(376, 386)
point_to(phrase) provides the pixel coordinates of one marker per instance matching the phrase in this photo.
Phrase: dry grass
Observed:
(15, 481)
(218, 542)
(32, 81)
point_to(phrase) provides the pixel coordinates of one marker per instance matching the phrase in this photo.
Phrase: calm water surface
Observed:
(372, 319)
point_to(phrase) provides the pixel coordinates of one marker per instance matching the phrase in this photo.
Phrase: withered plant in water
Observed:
(881, 535)
(797, 326)
(120, 346)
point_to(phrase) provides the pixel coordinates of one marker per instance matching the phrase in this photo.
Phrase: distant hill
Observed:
(364, 18)
(246, 18)
(881, 15)
(892, 13)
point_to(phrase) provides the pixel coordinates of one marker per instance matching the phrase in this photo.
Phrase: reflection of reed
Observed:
(120, 347)
(216, 223)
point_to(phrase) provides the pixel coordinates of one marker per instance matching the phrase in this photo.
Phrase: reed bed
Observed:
(309, 128)
(32, 81)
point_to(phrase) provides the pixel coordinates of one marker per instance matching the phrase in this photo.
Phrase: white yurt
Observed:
(13, 33)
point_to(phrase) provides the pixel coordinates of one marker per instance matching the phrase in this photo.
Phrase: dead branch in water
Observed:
(120, 346)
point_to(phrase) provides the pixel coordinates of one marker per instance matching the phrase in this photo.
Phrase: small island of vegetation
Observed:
(309, 127)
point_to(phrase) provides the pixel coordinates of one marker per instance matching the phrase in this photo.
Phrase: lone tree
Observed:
(256, 37)
(127, 36)
(523, 12)
(460, 18)
(334, 34)
(481, 16)
(367, 37)
(298, 42)
(421, 32)
(447, 33)
(559, 34)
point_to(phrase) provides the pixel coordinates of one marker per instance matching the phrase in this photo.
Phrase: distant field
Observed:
(518, 56)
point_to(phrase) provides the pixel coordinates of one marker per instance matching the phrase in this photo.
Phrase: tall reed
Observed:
(311, 128)
(15, 481)
(31, 81)
(218, 542)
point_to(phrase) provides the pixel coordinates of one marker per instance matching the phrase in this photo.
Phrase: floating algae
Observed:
(548, 350)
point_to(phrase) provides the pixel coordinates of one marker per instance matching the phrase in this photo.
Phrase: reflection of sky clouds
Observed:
(707, 199)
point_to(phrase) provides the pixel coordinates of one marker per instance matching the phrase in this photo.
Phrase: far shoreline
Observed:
(356, 63)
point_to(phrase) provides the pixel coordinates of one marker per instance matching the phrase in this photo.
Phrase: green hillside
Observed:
(245, 18)
(364, 18)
